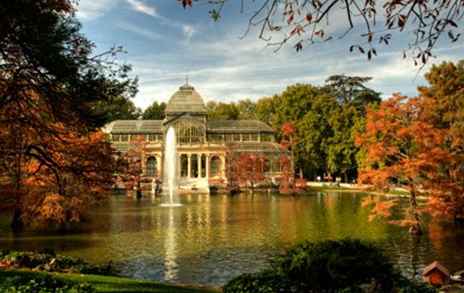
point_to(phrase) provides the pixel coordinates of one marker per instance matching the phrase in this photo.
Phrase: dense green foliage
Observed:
(98, 283)
(42, 284)
(243, 109)
(155, 111)
(50, 262)
(42, 51)
(263, 282)
(335, 265)
(119, 108)
(325, 118)
(329, 266)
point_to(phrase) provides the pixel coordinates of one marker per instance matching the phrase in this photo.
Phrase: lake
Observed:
(211, 239)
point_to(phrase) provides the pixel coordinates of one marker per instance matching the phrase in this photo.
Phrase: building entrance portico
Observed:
(194, 170)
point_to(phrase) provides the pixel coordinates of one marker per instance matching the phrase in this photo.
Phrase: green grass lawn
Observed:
(108, 283)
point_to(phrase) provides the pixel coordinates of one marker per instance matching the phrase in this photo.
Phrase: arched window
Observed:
(215, 166)
(151, 166)
(203, 166)
(194, 166)
(183, 165)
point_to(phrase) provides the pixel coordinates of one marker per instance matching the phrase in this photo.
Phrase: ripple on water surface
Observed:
(211, 239)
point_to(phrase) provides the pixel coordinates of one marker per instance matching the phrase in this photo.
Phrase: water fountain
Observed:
(170, 170)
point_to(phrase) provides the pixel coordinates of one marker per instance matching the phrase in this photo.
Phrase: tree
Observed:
(247, 109)
(323, 128)
(303, 23)
(432, 156)
(119, 108)
(42, 51)
(132, 166)
(56, 179)
(341, 151)
(286, 159)
(219, 110)
(314, 133)
(351, 90)
(445, 92)
(244, 169)
(323, 139)
(265, 110)
(52, 89)
(155, 111)
(402, 147)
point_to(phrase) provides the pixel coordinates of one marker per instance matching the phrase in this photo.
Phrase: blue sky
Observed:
(165, 43)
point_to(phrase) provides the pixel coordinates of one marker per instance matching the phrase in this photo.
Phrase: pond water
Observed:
(211, 239)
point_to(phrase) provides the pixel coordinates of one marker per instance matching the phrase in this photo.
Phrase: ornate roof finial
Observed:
(187, 80)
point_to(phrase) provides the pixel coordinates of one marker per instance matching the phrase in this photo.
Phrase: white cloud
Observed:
(142, 7)
(91, 9)
(188, 30)
(141, 31)
(227, 68)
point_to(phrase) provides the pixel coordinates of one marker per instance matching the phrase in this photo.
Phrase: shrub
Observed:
(263, 282)
(329, 266)
(51, 262)
(45, 284)
(336, 265)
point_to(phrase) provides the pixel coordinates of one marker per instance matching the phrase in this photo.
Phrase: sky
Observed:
(165, 43)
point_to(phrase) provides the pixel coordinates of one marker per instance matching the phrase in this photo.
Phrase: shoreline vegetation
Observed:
(99, 283)
(25, 271)
(302, 268)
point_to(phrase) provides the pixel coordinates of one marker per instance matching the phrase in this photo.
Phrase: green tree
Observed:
(220, 110)
(247, 109)
(314, 133)
(42, 50)
(342, 151)
(265, 109)
(155, 111)
(308, 108)
(352, 90)
(119, 108)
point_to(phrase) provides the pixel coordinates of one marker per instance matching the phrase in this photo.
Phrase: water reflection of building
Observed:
(203, 145)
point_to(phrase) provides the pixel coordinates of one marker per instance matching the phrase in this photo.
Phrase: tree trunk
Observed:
(17, 224)
(415, 229)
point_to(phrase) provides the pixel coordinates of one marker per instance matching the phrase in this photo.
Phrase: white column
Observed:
(178, 165)
(189, 165)
(207, 166)
(199, 165)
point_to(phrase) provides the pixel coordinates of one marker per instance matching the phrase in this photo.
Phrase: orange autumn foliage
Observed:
(380, 208)
(52, 173)
(81, 175)
(402, 147)
(406, 143)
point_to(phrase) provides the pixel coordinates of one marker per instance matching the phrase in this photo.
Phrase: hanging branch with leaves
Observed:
(306, 22)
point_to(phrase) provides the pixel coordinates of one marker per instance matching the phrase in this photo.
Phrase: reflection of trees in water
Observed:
(212, 237)
(415, 244)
